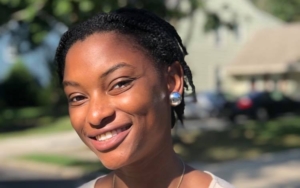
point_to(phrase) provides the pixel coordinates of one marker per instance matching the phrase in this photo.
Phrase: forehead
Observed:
(105, 40)
(102, 50)
(100, 40)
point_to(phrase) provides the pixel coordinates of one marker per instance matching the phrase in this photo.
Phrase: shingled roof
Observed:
(273, 50)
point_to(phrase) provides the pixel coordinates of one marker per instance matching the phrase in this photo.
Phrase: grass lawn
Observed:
(66, 161)
(43, 125)
(33, 120)
(240, 141)
(237, 142)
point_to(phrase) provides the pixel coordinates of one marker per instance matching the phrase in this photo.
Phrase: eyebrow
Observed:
(114, 68)
(106, 73)
(70, 83)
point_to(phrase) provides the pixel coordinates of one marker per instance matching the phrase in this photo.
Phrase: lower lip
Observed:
(111, 143)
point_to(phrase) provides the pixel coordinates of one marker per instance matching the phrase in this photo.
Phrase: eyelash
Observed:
(71, 100)
(122, 84)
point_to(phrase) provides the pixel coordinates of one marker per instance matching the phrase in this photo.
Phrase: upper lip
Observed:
(107, 128)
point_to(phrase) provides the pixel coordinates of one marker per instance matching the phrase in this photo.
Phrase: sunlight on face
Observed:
(117, 99)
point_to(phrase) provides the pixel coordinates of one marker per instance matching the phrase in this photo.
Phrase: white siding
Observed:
(205, 53)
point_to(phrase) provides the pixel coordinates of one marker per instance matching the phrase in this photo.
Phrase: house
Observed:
(210, 52)
(270, 60)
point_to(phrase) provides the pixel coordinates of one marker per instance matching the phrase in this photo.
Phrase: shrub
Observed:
(21, 89)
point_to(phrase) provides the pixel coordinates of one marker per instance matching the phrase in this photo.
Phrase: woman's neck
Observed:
(162, 169)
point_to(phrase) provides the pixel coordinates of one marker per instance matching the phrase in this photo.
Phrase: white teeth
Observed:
(103, 137)
(109, 134)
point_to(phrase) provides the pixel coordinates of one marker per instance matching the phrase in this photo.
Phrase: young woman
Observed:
(124, 75)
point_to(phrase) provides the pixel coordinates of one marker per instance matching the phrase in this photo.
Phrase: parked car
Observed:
(262, 106)
(209, 104)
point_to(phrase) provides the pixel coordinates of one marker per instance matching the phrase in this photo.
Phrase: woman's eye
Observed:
(76, 99)
(122, 84)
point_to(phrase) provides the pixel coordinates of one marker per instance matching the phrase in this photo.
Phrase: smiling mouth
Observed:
(110, 134)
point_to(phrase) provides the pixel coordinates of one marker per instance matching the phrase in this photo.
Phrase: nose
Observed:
(100, 113)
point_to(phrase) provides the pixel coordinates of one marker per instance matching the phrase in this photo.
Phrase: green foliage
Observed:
(31, 121)
(20, 119)
(66, 161)
(213, 22)
(288, 11)
(19, 88)
(273, 130)
(247, 140)
(39, 13)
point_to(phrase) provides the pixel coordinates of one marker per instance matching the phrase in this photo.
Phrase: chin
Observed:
(112, 165)
(111, 161)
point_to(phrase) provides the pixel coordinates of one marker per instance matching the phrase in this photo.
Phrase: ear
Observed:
(175, 78)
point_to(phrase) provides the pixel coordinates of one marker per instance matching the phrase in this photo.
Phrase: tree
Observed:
(37, 18)
(288, 11)
(39, 13)
(20, 89)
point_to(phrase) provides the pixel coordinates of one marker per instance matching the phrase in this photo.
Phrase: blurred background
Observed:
(245, 60)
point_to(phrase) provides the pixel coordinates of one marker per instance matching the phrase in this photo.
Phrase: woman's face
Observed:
(118, 102)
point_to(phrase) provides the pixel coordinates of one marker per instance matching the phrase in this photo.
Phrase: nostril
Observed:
(102, 122)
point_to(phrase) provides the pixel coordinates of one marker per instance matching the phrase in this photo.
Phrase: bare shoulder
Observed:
(196, 179)
(218, 182)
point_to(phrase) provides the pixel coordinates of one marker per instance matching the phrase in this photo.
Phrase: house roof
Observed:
(273, 50)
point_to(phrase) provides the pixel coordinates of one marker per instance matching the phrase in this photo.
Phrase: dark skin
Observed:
(112, 84)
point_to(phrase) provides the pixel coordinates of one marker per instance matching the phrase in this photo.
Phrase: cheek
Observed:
(77, 118)
(143, 101)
